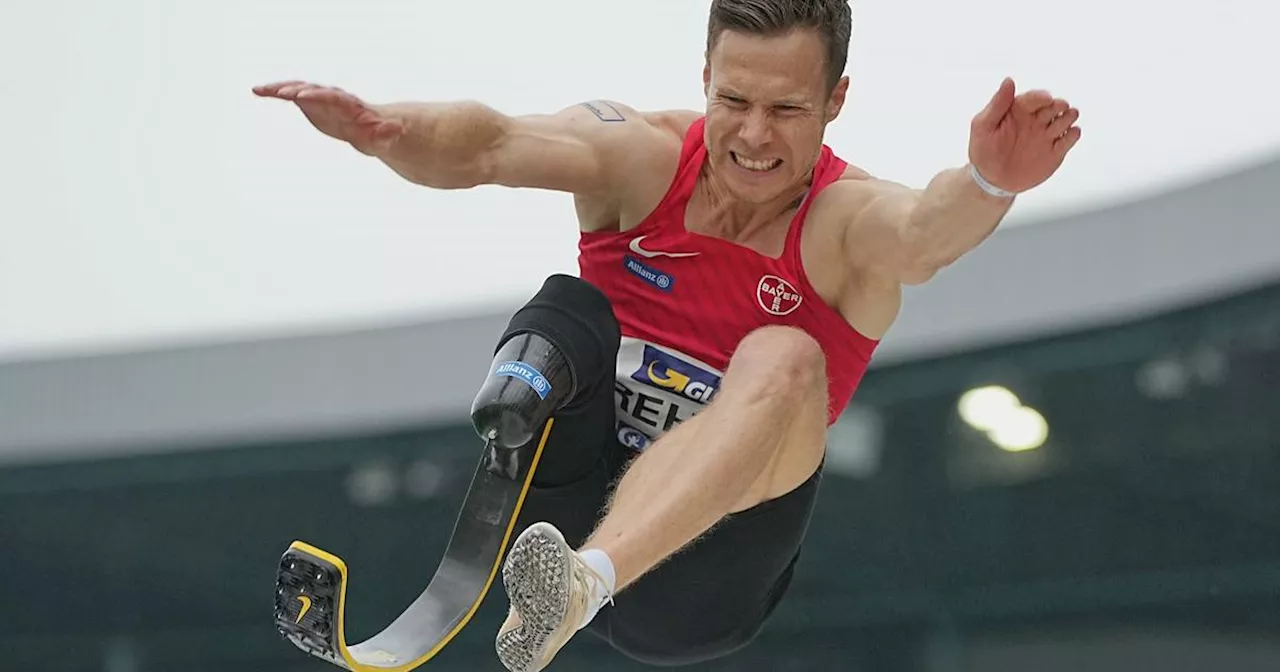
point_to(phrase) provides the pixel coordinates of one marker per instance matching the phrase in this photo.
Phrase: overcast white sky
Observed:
(148, 197)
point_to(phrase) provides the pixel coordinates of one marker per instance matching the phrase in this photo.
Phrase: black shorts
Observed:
(715, 595)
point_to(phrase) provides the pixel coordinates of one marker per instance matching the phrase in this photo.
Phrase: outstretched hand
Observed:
(1019, 141)
(338, 114)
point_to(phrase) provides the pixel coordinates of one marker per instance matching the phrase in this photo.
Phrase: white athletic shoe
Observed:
(550, 589)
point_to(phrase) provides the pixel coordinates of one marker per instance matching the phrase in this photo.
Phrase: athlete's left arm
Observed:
(911, 234)
(1016, 143)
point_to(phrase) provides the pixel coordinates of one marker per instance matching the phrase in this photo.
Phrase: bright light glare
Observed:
(1020, 430)
(1000, 414)
(986, 407)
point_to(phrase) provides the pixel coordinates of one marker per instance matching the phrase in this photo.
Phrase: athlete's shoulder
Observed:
(639, 151)
(846, 204)
(617, 114)
(854, 189)
(676, 122)
(853, 173)
(627, 129)
(844, 193)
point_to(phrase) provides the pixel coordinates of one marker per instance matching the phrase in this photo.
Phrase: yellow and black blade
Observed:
(311, 584)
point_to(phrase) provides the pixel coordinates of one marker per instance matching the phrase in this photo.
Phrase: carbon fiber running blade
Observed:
(311, 584)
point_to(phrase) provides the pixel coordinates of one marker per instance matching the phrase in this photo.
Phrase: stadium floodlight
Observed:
(997, 412)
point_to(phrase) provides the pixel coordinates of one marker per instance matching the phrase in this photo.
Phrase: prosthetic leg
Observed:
(535, 372)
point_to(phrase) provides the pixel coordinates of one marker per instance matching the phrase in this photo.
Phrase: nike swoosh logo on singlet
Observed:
(649, 254)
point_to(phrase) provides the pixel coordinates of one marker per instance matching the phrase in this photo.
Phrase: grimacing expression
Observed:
(768, 104)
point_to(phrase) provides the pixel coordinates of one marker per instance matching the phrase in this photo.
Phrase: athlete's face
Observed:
(768, 105)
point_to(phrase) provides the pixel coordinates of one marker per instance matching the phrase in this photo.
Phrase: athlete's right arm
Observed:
(460, 145)
(582, 149)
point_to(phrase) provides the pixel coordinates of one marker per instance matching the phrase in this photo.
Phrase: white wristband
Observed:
(987, 186)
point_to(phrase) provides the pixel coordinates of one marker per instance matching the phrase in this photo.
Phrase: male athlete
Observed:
(733, 267)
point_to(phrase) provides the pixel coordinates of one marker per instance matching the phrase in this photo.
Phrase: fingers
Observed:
(327, 96)
(273, 90)
(998, 106)
(1063, 122)
(1068, 140)
(286, 90)
(299, 91)
(1032, 102)
(1055, 115)
(296, 90)
(1049, 113)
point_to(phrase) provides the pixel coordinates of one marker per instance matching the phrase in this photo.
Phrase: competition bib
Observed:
(656, 388)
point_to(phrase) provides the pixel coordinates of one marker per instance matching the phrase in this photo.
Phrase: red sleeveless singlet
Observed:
(685, 300)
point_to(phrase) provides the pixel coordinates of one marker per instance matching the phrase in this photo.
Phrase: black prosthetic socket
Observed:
(528, 380)
(557, 349)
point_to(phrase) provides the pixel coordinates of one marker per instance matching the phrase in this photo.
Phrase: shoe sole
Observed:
(537, 576)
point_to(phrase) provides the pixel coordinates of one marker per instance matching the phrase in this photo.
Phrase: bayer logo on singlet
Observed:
(777, 296)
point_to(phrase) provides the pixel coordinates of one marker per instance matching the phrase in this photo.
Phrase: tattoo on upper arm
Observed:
(604, 111)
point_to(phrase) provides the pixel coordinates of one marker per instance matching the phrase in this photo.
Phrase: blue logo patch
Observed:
(669, 372)
(632, 438)
(649, 274)
(528, 374)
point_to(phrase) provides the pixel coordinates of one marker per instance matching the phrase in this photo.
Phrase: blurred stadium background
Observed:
(220, 333)
(1077, 470)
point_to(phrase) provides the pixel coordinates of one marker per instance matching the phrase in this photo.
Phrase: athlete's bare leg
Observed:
(760, 438)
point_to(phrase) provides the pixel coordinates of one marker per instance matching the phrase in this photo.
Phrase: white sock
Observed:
(599, 561)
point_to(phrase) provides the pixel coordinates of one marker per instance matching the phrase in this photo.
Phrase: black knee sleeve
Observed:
(556, 351)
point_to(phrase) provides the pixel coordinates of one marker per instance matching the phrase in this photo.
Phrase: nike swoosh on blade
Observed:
(649, 254)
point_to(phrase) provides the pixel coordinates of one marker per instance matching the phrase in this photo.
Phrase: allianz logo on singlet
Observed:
(649, 274)
(658, 388)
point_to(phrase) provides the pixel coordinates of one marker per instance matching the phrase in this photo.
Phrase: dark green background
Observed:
(1139, 512)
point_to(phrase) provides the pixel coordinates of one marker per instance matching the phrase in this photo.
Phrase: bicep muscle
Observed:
(570, 151)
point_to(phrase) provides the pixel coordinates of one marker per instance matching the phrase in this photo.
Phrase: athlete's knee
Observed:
(780, 361)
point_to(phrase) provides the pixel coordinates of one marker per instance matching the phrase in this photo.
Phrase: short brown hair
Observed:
(832, 19)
